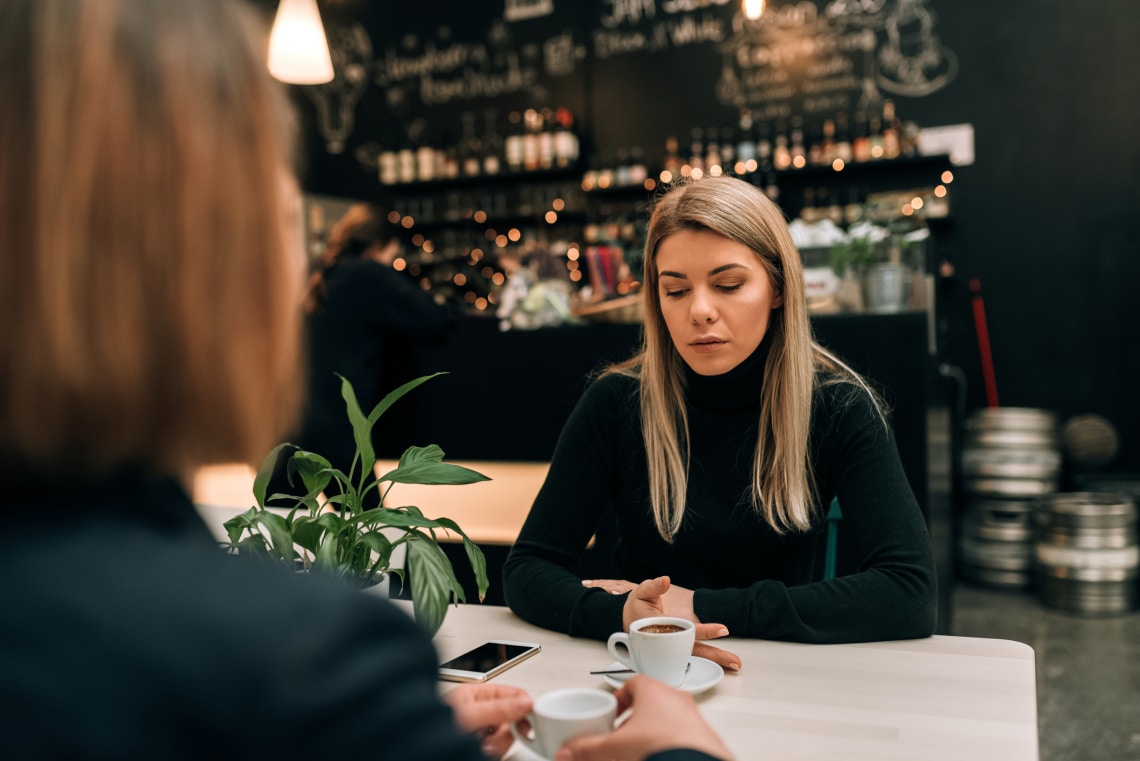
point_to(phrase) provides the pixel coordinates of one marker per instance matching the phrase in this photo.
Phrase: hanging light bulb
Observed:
(298, 50)
(753, 9)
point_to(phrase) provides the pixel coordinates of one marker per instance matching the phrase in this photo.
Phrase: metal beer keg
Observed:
(1087, 554)
(1010, 457)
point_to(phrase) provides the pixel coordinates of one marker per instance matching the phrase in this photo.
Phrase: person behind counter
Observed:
(359, 309)
(151, 294)
(717, 450)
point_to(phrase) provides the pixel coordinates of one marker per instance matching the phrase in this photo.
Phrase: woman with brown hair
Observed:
(718, 449)
(151, 303)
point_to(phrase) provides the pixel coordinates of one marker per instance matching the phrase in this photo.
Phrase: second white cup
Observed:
(659, 646)
(562, 715)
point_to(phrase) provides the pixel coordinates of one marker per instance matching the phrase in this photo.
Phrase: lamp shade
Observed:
(298, 49)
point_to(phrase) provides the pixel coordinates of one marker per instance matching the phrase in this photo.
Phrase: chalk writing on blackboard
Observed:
(913, 62)
(838, 56)
(673, 32)
(441, 71)
(350, 48)
(520, 10)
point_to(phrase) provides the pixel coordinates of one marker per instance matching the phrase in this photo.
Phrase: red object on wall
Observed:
(984, 343)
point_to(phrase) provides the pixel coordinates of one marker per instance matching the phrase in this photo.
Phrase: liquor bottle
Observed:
(532, 127)
(891, 138)
(545, 139)
(492, 144)
(425, 159)
(515, 152)
(763, 148)
(853, 211)
(843, 149)
(861, 143)
(781, 154)
(808, 212)
(875, 134)
(406, 160)
(389, 166)
(728, 150)
(771, 188)
(827, 145)
(638, 171)
(672, 161)
(829, 207)
(796, 143)
(621, 168)
(697, 149)
(712, 151)
(746, 148)
(470, 148)
(813, 142)
(566, 146)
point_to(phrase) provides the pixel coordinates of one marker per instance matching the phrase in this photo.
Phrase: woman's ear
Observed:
(778, 300)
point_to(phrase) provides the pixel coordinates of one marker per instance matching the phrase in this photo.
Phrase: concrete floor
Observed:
(1088, 670)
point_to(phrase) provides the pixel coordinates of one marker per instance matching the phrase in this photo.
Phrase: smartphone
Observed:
(487, 660)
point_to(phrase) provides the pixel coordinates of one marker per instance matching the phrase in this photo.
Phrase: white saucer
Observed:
(703, 674)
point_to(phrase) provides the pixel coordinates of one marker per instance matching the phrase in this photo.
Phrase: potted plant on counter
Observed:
(336, 535)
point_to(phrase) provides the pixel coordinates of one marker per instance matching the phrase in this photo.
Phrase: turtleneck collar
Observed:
(737, 389)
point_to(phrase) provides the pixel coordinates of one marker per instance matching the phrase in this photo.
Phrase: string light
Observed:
(753, 9)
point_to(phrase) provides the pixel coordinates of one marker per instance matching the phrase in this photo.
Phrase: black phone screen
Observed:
(486, 657)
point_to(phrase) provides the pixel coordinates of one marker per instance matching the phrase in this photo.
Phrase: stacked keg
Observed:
(1087, 553)
(1011, 458)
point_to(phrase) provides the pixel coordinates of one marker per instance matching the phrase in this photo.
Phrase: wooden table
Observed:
(959, 698)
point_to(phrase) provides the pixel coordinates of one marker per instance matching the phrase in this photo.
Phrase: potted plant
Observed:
(336, 535)
(873, 258)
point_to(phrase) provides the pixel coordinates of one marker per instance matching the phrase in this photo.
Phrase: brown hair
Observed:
(151, 282)
(783, 490)
(362, 227)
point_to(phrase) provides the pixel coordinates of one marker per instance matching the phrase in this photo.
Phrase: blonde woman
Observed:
(718, 449)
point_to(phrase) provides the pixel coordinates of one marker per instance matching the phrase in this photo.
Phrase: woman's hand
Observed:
(661, 719)
(487, 711)
(658, 597)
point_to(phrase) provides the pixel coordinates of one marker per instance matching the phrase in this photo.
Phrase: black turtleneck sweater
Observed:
(745, 576)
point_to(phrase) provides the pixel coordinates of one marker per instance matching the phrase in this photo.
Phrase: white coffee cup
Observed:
(661, 655)
(562, 715)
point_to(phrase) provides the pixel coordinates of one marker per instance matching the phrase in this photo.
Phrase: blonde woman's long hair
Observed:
(782, 484)
(152, 278)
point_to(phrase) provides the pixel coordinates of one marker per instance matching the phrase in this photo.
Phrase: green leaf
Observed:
(326, 554)
(279, 535)
(478, 565)
(315, 471)
(361, 427)
(434, 585)
(238, 524)
(474, 556)
(394, 396)
(380, 544)
(307, 533)
(421, 465)
(398, 517)
(264, 473)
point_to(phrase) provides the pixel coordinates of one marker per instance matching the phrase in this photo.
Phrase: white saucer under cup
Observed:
(661, 655)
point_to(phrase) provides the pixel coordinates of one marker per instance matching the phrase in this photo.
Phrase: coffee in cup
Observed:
(563, 715)
(659, 646)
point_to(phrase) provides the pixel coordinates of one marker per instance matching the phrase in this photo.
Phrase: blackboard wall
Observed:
(1046, 219)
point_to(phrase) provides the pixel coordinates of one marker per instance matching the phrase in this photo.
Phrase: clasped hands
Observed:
(658, 597)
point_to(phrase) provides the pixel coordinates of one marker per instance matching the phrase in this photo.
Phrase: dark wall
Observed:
(1045, 219)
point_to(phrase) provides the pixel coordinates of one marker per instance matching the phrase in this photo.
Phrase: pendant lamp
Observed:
(298, 49)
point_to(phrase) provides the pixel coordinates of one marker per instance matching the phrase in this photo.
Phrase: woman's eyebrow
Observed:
(670, 273)
(725, 267)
